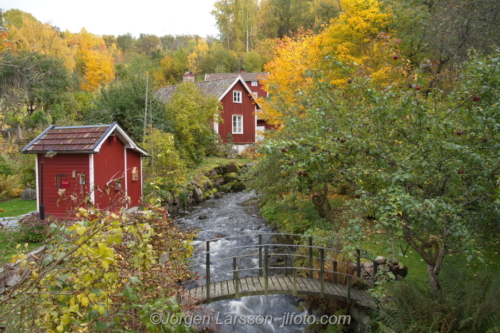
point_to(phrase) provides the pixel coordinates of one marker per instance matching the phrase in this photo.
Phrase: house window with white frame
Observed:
(237, 124)
(254, 83)
(236, 96)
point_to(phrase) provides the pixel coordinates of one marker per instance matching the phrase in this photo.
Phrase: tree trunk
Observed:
(19, 131)
(433, 277)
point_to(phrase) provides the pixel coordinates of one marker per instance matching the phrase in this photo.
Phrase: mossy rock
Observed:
(238, 187)
(231, 167)
(229, 186)
(231, 177)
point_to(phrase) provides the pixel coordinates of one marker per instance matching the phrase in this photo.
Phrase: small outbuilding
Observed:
(76, 165)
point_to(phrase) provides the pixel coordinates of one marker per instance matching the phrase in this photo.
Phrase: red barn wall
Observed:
(245, 108)
(109, 164)
(259, 89)
(63, 164)
(134, 187)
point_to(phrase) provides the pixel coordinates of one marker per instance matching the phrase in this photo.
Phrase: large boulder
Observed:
(198, 195)
(28, 194)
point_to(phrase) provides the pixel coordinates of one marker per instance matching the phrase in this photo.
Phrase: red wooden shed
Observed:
(99, 163)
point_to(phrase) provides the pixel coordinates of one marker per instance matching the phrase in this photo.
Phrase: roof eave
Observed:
(24, 150)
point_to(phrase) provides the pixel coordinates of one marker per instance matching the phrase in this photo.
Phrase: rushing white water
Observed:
(232, 215)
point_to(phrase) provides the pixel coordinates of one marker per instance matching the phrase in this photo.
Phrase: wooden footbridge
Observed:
(273, 263)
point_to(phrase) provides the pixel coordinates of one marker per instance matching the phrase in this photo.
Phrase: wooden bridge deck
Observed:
(254, 285)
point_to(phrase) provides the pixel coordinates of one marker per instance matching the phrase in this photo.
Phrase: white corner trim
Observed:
(216, 127)
(91, 178)
(126, 173)
(142, 176)
(36, 184)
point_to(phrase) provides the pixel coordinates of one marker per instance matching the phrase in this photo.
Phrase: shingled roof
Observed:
(216, 88)
(245, 76)
(77, 139)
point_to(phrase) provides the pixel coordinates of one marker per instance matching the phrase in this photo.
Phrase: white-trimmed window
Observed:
(237, 124)
(237, 96)
(254, 84)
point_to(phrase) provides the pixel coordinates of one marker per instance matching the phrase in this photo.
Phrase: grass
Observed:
(9, 239)
(16, 207)
(380, 244)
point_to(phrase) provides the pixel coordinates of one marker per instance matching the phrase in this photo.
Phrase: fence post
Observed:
(375, 270)
(266, 271)
(322, 271)
(348, 289)
(260, 255)
(207, 277)
(358, 266)
(311, 273)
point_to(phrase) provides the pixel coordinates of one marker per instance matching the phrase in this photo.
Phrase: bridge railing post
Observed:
(335, 272)
(311, 273)
(266, 271)
(260, 255)
(358, 263)
(236, 278)
(207, 276)
(322, 271)
(286, 264)
(294, 281)
(348, 289)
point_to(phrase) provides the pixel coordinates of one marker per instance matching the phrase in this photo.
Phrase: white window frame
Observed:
(237, 96)
(235, 129)
(255, 83)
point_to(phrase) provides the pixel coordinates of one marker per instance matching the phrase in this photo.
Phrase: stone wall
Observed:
(209, 185)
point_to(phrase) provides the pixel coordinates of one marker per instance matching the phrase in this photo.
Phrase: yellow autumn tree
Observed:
(93, 58)
(196, 57)
(37, 37)
(357, 43)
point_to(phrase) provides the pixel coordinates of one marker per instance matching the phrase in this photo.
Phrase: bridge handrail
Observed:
(278, 245)
(264, 261)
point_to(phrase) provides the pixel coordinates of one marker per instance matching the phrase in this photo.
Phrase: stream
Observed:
(232, 215)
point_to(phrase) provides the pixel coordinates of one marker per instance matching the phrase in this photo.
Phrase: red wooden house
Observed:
(254, 82)
(100, 162)
(239, 108)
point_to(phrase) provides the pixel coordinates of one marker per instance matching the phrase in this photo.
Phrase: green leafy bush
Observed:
(9, 185)
(33, 229)
(465, 303)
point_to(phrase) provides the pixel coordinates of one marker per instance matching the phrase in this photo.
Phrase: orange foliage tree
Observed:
(359, 38)
(94, 60)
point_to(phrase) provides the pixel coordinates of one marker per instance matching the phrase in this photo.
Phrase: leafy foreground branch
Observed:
(104, 272)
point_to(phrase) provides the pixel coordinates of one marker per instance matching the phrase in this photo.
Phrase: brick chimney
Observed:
(188, 77)
(242, 70)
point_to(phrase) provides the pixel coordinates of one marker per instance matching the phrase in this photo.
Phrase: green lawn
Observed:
(377, 244)
(16, 207)
(9, 239)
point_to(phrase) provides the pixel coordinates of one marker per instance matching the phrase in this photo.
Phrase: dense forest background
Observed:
(53, 76)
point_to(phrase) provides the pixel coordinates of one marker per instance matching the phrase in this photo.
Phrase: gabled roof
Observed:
(216, 88)
(78, 139)
(245, 76)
